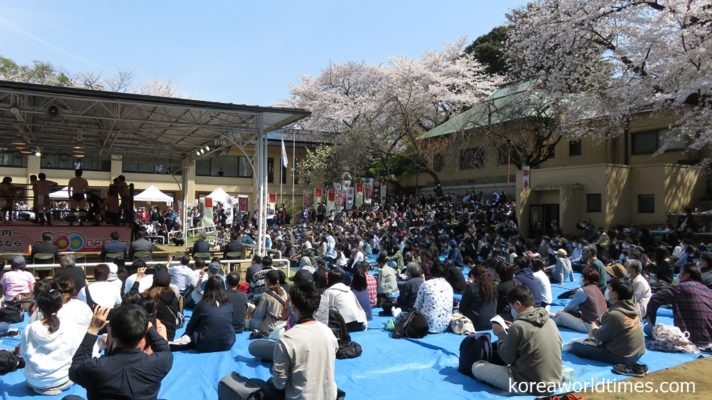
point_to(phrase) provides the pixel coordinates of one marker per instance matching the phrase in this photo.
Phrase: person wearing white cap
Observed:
(562, 268)
(114, 275)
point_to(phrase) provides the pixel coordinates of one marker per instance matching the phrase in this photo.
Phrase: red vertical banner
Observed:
(359, 195)
(272, 198)
(317, 193)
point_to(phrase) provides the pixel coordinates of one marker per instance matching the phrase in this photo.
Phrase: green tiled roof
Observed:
(486, 113)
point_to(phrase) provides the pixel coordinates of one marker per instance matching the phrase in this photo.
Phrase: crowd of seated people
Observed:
(406, 254)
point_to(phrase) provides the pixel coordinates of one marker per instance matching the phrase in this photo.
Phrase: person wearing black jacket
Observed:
(479, 299)
(210, 327)
(127, 372)
(454, 277)
(408, 290)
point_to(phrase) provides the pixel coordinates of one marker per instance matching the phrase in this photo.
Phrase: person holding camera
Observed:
(127, 372)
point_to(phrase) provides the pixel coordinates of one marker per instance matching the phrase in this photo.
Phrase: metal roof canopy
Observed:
(56, 119)
(129, 124)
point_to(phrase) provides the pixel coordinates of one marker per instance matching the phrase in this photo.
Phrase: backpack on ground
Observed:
(11, 313)
(9, 362)
(414, 325)
(347, 347)
(473, 348)
(237, 387)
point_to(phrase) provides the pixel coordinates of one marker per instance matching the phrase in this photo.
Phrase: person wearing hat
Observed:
(616, 270)
(562, 268)
(17, 281)
(213, 269)
(101, 292)
(114, 275)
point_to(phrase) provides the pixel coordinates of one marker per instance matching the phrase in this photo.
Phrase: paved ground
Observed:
(698, 372)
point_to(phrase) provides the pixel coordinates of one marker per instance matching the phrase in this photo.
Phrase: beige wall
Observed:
(169, 183)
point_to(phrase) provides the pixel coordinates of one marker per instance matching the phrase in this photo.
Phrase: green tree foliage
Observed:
(490, 50)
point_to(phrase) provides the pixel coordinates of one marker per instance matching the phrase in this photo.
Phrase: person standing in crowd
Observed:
(530, 348)
(127, 372)
(78, 188)
(7, 199)
(43, 207)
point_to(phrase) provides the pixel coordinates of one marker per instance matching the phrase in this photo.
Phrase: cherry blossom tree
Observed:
(378, 111)
(609, 59)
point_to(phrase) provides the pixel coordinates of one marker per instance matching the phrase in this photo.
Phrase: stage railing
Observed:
(279, 263)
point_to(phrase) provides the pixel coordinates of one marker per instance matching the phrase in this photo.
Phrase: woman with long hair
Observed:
(272, 305)
(166, 301)
(48, 347)
(359, 287)
(663, 268)
(479, 299)
(210, 327)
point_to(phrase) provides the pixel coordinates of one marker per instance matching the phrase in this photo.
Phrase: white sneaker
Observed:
(396, 312)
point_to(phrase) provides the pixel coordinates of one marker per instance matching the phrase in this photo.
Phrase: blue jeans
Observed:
(599, 353)
(4, 327)
(648, 330)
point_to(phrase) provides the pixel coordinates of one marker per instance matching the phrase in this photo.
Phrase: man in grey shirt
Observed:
(305, 356)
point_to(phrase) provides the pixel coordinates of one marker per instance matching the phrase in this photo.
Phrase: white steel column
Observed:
(261, 181)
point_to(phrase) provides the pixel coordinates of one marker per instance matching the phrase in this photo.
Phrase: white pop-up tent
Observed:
(152, 194)
(219, 195)
(60, 194)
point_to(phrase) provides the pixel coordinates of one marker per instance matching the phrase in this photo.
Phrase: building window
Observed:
(62, 161)
(645, 142)
(503, 155)
(649, 142)
(9, 158)
(472, 158)
(227, 166)
(646, 203)
(270, 170)
(144, 165)
(438, 162)
(593, 202)
(575, 148)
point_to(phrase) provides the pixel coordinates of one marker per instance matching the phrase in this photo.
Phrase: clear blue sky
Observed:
(244, 52)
